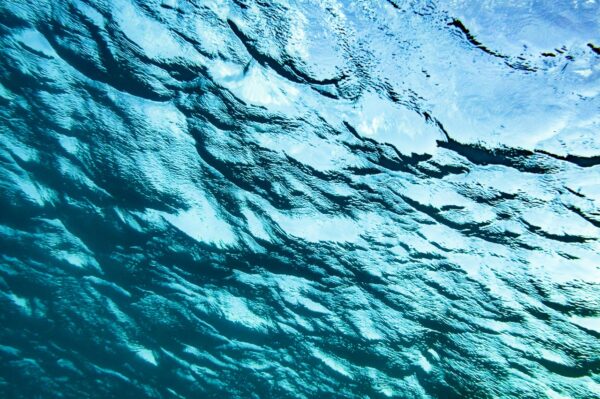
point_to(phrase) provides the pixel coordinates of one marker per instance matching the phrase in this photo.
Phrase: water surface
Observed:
(299, 199)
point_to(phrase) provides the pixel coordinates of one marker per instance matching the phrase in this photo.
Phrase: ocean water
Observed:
(299, 199)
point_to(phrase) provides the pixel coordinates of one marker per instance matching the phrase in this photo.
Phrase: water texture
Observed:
(299, 199)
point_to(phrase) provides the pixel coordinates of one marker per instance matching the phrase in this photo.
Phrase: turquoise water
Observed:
(299, 199)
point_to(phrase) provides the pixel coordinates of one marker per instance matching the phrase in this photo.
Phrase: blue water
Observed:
(299, 199)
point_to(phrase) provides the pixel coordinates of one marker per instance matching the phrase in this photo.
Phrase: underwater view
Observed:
(300, 199)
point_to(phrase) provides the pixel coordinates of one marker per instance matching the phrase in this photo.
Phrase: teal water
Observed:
(299, 199)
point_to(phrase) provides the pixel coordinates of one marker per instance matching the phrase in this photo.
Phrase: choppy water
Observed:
(311, 199)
